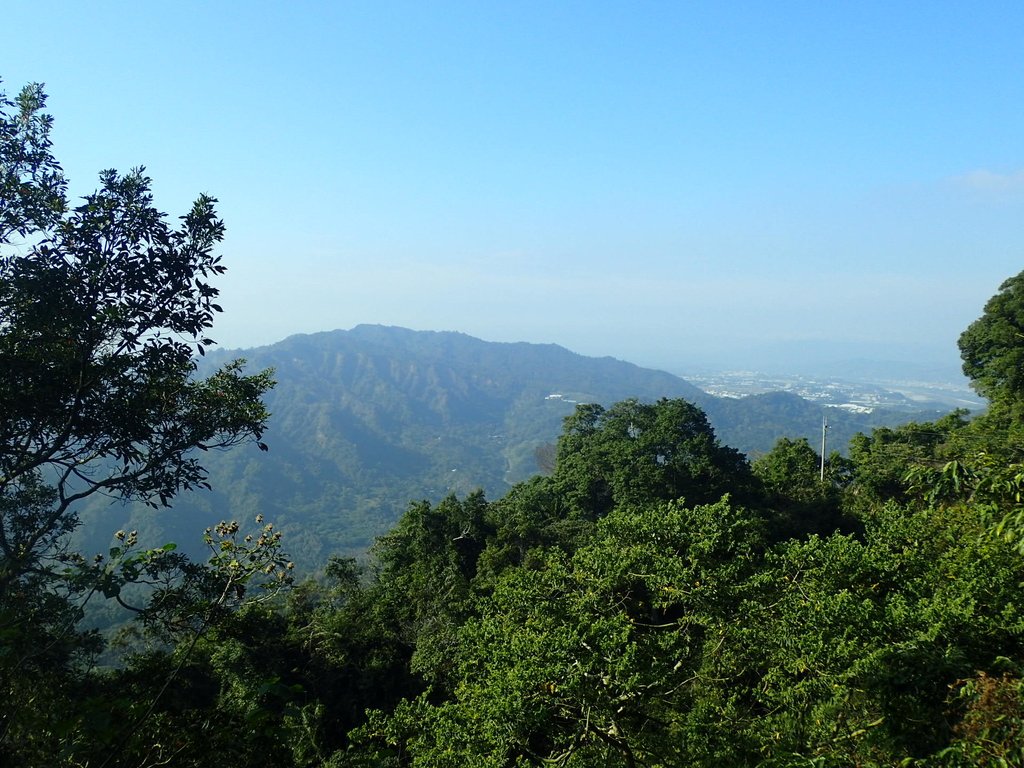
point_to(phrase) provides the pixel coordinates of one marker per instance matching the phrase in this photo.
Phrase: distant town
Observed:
(853, 395)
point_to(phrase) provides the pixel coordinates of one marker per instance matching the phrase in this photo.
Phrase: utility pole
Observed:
(824, 428)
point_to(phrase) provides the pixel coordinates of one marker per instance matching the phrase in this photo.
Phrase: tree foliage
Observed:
(635, 452)
(103, 307)
(801, 498)
(992, 347)
(32, 184)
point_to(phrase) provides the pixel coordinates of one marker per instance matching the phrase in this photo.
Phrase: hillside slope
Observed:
(366, 420)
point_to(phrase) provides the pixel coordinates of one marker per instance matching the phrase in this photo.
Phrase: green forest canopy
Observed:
(656, 601)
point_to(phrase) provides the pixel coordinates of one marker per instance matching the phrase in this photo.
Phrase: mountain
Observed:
(366, 420)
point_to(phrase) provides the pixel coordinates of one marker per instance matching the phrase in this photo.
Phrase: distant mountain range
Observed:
(366, 420)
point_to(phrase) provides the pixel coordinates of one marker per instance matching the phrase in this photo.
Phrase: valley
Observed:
(366, 421)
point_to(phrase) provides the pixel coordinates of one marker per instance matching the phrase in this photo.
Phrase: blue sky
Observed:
(675, 184)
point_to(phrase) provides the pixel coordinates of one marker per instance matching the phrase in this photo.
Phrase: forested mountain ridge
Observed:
(369, 419)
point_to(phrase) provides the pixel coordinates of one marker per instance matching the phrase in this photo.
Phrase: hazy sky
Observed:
(670, 183)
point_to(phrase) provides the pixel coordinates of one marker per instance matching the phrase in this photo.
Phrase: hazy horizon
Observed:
(852, 362)
(721, 185)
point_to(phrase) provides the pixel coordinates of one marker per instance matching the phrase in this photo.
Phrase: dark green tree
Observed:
(588, 659)
(992, 347)
(103, 308)
(639, 452)
(427, 566)
(800, 501)
(532, 516)
(853, 650)
(882, 460)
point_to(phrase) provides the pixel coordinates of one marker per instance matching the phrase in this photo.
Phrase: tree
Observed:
(427, 566)
(586, 659)
(801, 503)
(882, 460)
(102, 309)
(636, 453)
(992, 347)
(32, 186)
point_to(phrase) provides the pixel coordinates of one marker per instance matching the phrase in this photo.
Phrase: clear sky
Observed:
(671, 183)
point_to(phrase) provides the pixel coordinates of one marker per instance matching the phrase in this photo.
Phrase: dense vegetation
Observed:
(656, 600)
(367, 419)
